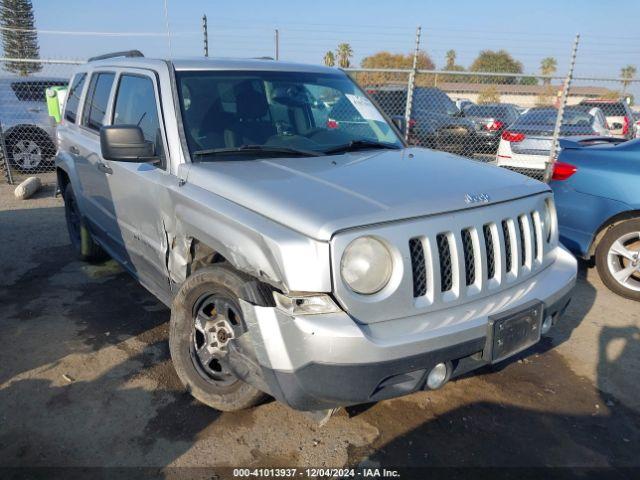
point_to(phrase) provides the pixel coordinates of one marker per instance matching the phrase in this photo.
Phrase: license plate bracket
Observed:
(513, 331)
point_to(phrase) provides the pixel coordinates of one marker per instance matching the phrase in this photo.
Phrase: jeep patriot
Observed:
(306, 252)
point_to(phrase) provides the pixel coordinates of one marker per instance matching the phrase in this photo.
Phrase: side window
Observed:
(95, 105)
(136, 105)
(73, 97)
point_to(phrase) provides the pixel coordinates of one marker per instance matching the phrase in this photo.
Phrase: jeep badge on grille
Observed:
(477, 198)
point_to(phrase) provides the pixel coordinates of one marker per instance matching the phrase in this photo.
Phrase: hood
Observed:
(319, 196)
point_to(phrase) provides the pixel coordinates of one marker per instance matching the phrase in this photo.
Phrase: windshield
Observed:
(277, 112)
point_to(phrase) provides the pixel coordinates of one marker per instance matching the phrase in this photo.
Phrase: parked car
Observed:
(618, 114)
(491, 120)
(595, 183)
(28, 131)
(435, 121)
(636, 124)
(322, 265)
(525, 146)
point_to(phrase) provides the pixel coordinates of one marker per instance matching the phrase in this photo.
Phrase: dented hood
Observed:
(319, 196)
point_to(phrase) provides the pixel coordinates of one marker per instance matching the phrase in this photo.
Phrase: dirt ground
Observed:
(86, 380)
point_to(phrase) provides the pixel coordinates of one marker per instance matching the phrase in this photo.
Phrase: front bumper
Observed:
(322, 361)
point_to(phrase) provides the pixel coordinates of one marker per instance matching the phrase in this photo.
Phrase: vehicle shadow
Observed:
(527, 413)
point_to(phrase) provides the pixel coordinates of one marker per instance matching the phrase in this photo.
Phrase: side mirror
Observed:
(125, 143)
(400, 122)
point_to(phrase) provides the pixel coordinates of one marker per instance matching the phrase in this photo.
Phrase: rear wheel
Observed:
(618, 259)
(81, 240)
(207, 338)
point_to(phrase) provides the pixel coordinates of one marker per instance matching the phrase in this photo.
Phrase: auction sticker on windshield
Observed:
(365, 107)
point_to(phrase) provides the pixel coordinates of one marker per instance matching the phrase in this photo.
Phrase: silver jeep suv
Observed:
(305, 251)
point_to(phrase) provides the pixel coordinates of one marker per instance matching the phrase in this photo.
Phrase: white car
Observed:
(525, 146)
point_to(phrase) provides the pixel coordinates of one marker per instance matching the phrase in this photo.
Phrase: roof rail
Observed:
(126, 53)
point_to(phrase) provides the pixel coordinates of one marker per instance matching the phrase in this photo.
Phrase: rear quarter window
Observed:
(73, 97)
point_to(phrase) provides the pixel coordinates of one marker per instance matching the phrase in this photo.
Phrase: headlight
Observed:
(366, 265)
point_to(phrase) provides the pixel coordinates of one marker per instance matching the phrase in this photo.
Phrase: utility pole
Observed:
(277, 39)
(205, 33)
(411, 84)
(555, 147)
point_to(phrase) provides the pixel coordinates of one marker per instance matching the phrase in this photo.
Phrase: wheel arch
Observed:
(610, 223)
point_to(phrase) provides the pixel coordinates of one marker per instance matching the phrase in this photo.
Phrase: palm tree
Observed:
(548, 66)
(626, 74)
(451, 59)
(329, 59)
(344, 52)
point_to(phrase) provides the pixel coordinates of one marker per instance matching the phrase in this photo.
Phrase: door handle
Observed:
(104, 168)
(74, 150)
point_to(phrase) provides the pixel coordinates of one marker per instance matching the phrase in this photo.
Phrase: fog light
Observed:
(546, 324)
(438, 376)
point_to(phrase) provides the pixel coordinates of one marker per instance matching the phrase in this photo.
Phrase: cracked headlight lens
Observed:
(366, 265)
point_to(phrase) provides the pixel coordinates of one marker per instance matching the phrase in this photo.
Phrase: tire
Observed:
(223, 286)
(81, 240)
(618, 255)
(30, 150)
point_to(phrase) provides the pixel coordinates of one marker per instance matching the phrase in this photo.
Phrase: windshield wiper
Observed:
(257, 149)
(361, 145)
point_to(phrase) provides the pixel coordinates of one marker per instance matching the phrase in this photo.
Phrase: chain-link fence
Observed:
(506, 119)
(502, 118)
(27, 131)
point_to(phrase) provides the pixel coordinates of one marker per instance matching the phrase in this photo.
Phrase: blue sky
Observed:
(529, 30)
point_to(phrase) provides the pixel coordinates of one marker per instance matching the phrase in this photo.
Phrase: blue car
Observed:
(596, 182)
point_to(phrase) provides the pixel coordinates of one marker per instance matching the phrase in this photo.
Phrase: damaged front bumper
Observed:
(315, 362)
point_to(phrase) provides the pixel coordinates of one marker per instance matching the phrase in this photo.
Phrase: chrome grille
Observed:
(477, 254)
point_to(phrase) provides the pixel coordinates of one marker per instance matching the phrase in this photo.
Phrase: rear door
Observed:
(90, 166)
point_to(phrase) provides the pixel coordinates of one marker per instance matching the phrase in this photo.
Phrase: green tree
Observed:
(489, 95)
(548, 66)
(451, 66)
(19, 38)
(528, 81)
(392, 60)
(451, 59)
(344, 52)
(626, 74)
(329, 59)
(496, 62)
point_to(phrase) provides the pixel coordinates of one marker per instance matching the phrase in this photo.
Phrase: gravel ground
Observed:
(86, 380)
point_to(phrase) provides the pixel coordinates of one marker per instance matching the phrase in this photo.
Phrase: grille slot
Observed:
(446, 272)
(491, 261)
(418, 266)
(469, 257)
(523, 243)
(507, 245)
(534, 228)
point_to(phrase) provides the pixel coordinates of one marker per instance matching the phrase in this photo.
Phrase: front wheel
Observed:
(207, 339)
(618, 259)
